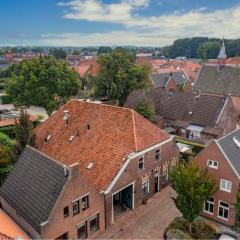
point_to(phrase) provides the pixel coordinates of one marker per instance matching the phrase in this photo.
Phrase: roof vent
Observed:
(90, 165)
(66, 116)
(236, 141)
(190, 113)
(88, 127)
(78, 133)
(71, 138)
(47, 137)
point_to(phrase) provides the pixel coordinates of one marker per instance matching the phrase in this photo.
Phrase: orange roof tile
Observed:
(113, 133)
(11, 122)
(9, 229)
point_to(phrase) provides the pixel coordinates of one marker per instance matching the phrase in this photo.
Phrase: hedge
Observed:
(5, 99)
(10, 131)
(5, 140)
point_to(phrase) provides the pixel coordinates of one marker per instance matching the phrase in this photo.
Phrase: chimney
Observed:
(65, 170)
(66, 116)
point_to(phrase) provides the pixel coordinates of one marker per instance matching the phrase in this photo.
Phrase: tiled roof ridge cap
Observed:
(134, 129)
(47, 156)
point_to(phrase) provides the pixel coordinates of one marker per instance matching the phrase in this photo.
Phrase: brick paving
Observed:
(146, 221)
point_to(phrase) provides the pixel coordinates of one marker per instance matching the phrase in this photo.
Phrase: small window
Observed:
(66, 212)
(94, 223)
(82, 230)
(165, 176)
(212, 164)
(209, 204)
(225, 185)
(223, 210)
(145, 188)
(85, 203)
(157, 155)
(75, 207)
(140, 164)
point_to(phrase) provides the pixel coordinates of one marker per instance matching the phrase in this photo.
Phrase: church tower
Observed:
(222, 56)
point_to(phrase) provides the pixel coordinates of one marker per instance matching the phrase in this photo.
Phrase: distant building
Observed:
(198, 118)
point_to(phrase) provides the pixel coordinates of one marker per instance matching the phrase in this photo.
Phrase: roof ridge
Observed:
(134, 129)
(218, 140)
(45, 155)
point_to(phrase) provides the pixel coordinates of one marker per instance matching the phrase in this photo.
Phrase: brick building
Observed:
(118, 157)
(222, 159)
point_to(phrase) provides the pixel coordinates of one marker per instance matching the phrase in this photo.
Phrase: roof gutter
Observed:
(132, 156)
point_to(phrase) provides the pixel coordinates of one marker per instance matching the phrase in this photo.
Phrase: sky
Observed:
(115, 22)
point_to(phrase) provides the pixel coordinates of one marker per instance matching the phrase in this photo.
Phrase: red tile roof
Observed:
(9, 229)
(11, 122)
(113, 133)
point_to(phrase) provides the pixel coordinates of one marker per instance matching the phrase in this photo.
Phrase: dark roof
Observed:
(231, 149)
(33, 186)
(205, 108)
(226, 81)
(161, 79)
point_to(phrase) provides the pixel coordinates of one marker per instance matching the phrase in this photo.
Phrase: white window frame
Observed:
(225, 189)
(159, 153)
(142, 162)
(212, 165)
(148, 188)
(78, 208)
(209, 202)
(225, 208)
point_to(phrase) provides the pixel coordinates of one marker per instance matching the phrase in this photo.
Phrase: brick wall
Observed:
(169, 156)
(224, 171)
(74, 189)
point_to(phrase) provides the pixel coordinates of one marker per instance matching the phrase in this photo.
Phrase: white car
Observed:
(226, 236)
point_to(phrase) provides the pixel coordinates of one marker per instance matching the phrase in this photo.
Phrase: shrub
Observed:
(10, 131)
(5, 140)
(4, 173)
(173, 234)
(6, 99)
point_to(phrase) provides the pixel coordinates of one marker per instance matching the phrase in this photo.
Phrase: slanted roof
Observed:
(9, 229)
(102, 135)
(33, 186)
(229, 145)
(161, 79)
(211, 80)
(188, 108)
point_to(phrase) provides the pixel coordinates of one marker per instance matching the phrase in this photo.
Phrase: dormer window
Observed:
(212, 164)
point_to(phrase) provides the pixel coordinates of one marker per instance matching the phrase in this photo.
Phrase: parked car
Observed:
(227, 236)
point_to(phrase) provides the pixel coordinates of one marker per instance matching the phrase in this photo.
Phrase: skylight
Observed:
(236, 141)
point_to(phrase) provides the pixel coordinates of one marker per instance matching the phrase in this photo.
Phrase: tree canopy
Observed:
(193, 186)
(119, 75)
(209, 50)
(146, 108)
(58, 53)
(43, 82)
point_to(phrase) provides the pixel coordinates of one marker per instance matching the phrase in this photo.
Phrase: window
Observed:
(82, 230)
(145, 188)
(209, 205)
(165, 176)
(157, 155)
(212, 164)
(225, 185)
(85, 203)
(223, 210)
(75, 207)
(94, 223)
(66, 212)
(140, 164)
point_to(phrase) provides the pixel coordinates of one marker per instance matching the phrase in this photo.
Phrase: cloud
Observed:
(141, 30)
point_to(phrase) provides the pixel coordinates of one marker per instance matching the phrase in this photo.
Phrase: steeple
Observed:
(222, 57)
(222, 53)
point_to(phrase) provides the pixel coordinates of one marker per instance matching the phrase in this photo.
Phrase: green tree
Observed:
(103, 50)
(76, 52)
(146, 108)
(193, 186)
(43, 82)
(58, 53)
(209, 50)
(119, 75)
(24, 132)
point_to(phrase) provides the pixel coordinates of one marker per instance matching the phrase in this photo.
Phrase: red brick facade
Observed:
(168, 158)
(223, 171)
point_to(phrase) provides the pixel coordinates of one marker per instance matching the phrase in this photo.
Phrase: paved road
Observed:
(33, 110)
(146, 221)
